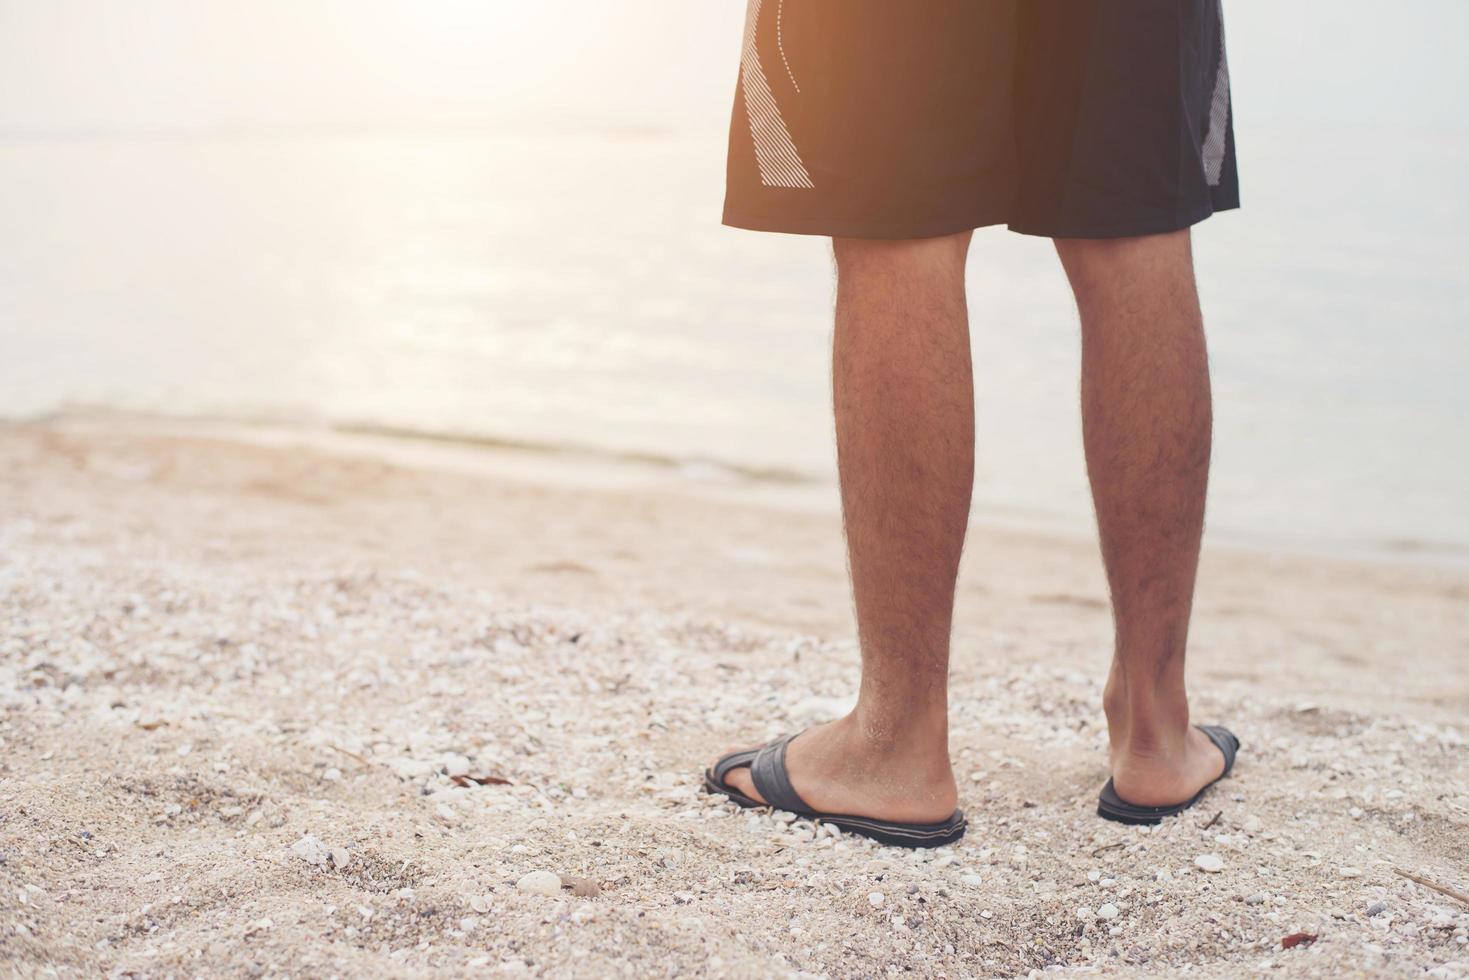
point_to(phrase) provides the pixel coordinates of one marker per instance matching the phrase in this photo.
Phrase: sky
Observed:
(89, 65)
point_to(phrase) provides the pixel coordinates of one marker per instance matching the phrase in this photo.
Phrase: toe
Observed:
(739, 779)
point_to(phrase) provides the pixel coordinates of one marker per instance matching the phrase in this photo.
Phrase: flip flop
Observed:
(767, 766)
(1110, 806)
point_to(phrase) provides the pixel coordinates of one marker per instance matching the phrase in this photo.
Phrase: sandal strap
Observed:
(768, 771)
(1226, 741)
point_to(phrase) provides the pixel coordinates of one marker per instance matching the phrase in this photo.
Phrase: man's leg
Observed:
(904, 400)
(1147, 427)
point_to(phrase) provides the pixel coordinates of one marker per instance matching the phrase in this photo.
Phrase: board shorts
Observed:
(917, 118)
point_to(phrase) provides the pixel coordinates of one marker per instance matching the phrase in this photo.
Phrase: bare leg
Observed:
(1147, 423)
(904, 400)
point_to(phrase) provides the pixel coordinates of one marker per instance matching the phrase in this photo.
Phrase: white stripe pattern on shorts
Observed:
(775, 153)
(1214, 139)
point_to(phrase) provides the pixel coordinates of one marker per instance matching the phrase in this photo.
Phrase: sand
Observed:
(276, 703)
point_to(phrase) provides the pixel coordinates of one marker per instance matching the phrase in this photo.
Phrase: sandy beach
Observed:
(284, 703)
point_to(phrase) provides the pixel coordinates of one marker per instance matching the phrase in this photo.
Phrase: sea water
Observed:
(570, 286)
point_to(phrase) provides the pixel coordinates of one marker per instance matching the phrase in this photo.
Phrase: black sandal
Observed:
(1110, 806)
(767, 766)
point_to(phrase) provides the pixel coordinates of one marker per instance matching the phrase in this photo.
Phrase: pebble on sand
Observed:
(540, 883)
(1349, 872)
(311, 850)
(1211, 863)
(875, 899)
(1108, 911)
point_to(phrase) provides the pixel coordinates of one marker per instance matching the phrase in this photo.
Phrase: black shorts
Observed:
(915, 118)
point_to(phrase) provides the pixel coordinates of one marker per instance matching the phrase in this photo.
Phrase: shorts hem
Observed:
(796, 224)
(1136, 229)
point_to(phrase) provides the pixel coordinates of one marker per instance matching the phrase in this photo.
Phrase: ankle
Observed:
(1153, 746)
(917, 749)
(1148, 727)
(916, 733)
(1145, 709)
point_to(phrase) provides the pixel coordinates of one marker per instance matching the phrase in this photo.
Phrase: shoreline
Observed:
(598, 468)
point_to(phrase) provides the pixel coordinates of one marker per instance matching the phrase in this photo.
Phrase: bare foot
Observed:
(1164, 775)
(836, 769)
